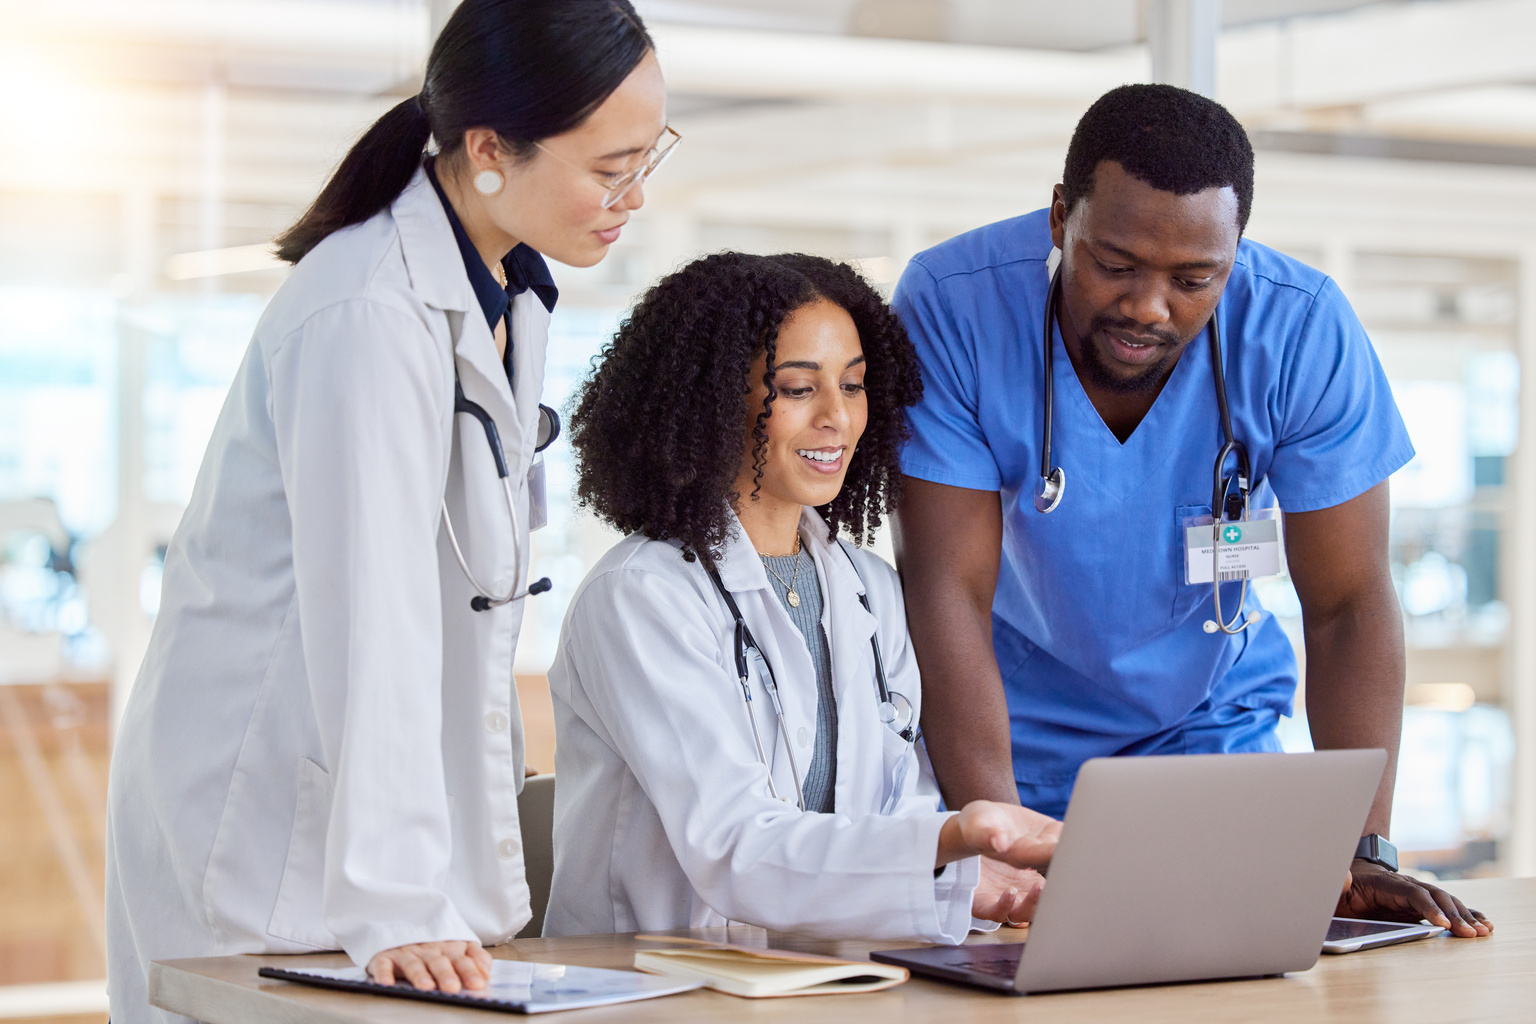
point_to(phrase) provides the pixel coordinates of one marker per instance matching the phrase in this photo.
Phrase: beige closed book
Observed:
(755, 973)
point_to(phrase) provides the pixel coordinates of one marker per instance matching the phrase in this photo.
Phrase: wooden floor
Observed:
(53, 782)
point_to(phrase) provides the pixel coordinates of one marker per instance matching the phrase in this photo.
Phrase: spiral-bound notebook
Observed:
(515, 987)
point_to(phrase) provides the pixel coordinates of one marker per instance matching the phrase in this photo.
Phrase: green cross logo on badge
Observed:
(1232, 534)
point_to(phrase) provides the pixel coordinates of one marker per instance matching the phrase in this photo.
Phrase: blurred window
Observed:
(58, 401)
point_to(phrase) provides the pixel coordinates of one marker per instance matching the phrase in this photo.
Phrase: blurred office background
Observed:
(149, 151)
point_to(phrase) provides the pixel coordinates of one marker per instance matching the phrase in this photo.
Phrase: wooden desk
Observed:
(1435, 980)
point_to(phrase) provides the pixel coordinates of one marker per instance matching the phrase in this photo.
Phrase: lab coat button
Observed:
(804, 736)
(508, 848)
(495, 722)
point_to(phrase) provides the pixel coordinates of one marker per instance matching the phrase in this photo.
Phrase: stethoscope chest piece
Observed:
(1049, 489)
(896, 714)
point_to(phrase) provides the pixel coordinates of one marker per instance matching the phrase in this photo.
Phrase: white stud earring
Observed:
(488, 183)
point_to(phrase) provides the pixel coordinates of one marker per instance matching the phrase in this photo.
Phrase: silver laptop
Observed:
(1183, 869)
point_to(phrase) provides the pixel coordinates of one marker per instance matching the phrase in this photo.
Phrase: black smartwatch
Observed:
(1377, 850)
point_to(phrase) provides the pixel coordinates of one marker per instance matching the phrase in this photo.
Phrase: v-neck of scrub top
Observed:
(524, 267)
(1152, 445)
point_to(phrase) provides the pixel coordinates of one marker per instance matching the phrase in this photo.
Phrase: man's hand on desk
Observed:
(1374, 892)
(449, 966)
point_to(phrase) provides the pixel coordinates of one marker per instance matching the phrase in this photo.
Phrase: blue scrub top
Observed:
(1098, 639)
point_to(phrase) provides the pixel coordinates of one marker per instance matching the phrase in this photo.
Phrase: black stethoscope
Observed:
(549, 429)
(1053, 481)
(894, 709)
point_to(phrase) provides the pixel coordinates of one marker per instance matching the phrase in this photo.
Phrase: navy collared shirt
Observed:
(524, 268)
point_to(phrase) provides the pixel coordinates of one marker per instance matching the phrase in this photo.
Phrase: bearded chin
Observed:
(1148, 381)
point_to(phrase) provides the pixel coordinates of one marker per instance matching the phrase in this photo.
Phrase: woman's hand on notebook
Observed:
(449, 966)
(1007, 832)
(1006, 894)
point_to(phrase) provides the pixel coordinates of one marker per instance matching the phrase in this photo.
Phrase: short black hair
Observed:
(1173, 139)
(659, 426)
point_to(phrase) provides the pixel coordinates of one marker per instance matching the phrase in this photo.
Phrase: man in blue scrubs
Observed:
(1047, 639)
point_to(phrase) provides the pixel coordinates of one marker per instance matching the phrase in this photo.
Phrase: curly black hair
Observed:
(1172, 139)
(657, 426)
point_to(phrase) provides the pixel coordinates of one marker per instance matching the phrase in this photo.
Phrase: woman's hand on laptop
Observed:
(1007, 894)
(1373, 892)
(1006, 832)
(446, 966)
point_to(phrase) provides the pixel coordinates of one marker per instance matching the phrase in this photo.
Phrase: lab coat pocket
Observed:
(899, 761)
(299, 915)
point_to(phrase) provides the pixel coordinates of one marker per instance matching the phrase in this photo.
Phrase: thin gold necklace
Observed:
(789, 585)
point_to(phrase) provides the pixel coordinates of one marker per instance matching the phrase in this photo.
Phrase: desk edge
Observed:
(173, 989)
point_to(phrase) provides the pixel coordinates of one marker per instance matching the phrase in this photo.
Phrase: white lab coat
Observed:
(323, 749)
(663, 817)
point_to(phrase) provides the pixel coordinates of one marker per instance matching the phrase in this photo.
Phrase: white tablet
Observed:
(516, 986)
(1348, 934)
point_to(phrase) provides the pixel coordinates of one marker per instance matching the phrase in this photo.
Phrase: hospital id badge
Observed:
(538, 496)
(1244, 549)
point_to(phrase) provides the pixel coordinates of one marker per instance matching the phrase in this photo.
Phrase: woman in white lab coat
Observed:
(323, 747)
(749, 410)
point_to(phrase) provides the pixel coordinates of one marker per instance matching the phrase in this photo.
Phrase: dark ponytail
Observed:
(528, 69)
(371, 175)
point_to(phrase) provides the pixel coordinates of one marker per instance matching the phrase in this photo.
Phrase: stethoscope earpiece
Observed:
(481, 603)
(1212, 626)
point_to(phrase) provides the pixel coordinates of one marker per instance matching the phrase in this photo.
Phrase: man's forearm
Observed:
(1355, 688)
(949, 577)
(965, 714)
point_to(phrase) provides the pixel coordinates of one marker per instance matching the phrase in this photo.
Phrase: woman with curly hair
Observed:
(735, 695)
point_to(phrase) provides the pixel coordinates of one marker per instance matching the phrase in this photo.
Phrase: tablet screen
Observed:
(1343, 929)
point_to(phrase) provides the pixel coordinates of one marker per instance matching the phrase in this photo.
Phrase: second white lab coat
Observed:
(663, 815)
(323, 749)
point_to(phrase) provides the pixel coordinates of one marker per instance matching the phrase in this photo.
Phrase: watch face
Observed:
(1377, 850)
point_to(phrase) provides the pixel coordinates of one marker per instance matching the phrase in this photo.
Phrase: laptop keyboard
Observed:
(1006, 966)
